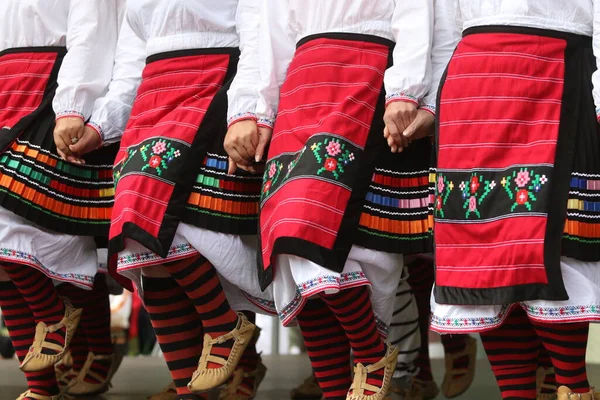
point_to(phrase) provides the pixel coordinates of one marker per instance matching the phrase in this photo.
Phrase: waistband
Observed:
(230, 51)
(352, 37)
(61, 51)
(571, 38)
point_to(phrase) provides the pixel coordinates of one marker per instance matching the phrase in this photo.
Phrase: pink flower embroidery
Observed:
(331, 164)
(159, 148)
(472, 204)
(474, 184)
(440, 184)
(155, 161)
(267, 187)
(333, 148)
(522, 178)
(522, 197)
(272, 170)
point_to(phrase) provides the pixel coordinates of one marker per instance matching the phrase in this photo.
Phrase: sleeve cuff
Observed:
(69, 114)
(429, 108)
(241, 117)
(394, 97)
(98, 130)
(265, 123)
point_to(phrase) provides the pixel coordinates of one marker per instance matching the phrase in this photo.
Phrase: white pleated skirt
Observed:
(582, 282)
(63, 258)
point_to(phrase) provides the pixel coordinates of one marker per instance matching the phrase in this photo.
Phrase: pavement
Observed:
(142, 376)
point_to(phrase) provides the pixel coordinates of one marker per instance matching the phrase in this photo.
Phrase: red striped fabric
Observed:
(23, 79)
(500, 109)
(331, 91)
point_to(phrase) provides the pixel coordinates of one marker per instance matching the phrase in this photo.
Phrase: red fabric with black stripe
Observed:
(326, 111)
(501, 137)
(24, 80)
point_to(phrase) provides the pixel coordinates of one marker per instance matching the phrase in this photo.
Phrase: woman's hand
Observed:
(89, 142)
(398, 116)
(246, 145)
(68, 131)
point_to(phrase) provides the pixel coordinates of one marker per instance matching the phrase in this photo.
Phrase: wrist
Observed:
(98, 129)
(245, 116)
(401, 97)
(69, 114)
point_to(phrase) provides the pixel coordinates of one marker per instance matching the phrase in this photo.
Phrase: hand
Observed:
(67, 131)
(398, 116)
(422, 126)
(245, 144)
(89, 142)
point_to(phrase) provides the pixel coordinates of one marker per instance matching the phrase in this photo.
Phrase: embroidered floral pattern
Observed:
(335, 157)
(472, 195)
(443, 189)
(163, 154)
(134, 260)
(272, 175)
(526, 185)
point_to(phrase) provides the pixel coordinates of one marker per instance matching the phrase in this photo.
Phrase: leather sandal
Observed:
(79, 387)
(564, 393)
(234, 389)
(30, 395)
(458, 381)
(360, 385)
(168, 393)
(36, 361)
(540, 377)
(308, 390)
(204, 378)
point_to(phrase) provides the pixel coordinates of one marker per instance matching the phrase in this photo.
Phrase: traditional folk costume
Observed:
(175, 205)
(518, 158)
(55, 61)
(338, 209)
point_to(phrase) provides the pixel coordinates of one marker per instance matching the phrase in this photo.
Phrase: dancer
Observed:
(517, 151)
(52, 75)
(335, 200)
(178, 216)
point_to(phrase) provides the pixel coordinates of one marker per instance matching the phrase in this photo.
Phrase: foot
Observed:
(361, 390)
(96, 375)
(460, 370)
(546, 384)
(29, 395)
(168, 393)
(404, 389)
(564, 393)
(47, 348)
(64, 365)
(244, 385)
(205, 378)
(308, 390)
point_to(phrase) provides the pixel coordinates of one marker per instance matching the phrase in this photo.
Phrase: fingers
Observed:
(264, 138)
(422, 126)
(232, 167)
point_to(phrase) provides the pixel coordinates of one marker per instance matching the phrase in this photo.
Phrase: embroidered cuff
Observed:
(265, 123)
(69, 114)
(392, 98)
(240, 117)
(598, 114)
(98, 130)
(428, 108)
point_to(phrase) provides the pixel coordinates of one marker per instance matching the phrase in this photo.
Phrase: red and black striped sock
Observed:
(421, 278)
(512, 350)
(328, 349)
(94, 324)
(544, 361)
(20, 323)
(178, 330)
(354, 311)
(199, 279)
(566, 345)
(39, 293)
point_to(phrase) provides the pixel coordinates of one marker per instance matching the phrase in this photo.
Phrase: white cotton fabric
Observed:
(88, 29)
(582, 282)
(158, 26)
(63, 258)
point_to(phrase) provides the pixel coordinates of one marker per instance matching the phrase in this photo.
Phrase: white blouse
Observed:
(453, 16)
(409, 23)
(88, 29)
(158, 26)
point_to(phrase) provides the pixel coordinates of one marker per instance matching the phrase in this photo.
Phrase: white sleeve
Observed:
(409, 77)
(446, 35)
(596, 42)
(87, 67)
(111, 112)
(243, 94)
(276, 47)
